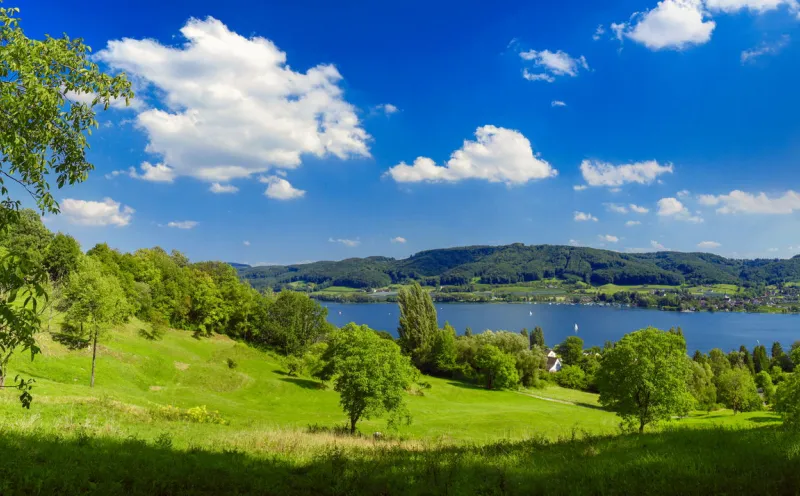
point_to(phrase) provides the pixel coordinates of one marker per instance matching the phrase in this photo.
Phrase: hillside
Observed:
(120, 437)
(520, 263)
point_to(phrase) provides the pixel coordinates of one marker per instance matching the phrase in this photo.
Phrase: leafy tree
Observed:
(764, 382)
(701, 386)
(719, 362)
(61, 259)
(571, 376)
(498, 369)
(699, 357)
(295, 322)
(42, 135)
(529, 364)
(444, 351)
(787, 401)
(537, 337)
(777, 350)
(795, 354)
(27, 236)
(467, 331)
(371, 374)
(737, 390)
(571, 350)
(418, 323)
(96, 302)
(508, 342)
(748, 359)
(760, 359)
(524, 333)
(644, 377)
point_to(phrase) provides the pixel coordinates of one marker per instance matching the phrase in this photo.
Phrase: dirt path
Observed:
(563, 402)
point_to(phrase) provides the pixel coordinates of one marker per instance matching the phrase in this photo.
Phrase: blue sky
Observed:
(629, 125)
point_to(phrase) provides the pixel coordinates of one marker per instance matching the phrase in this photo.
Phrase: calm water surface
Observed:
(596, 324)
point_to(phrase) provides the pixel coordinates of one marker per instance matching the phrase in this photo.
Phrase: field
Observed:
(117, 439)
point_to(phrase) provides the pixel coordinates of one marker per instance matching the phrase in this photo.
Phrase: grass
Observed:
(115, 439)
(341, 289)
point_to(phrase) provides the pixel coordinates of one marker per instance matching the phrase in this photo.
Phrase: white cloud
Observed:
(772, 250)
(609, 238)
(387, 108)
(684, 193)
(246, 243)
(657, 245)
(93, 213)
(599, 32)
(619, 209)
(281, 189)
(638, 209)
(398, 239)
(708, 245)
(553, 64)
(113, 174)
(347, 242)
(673, 208)
(584, 217)
(749, 203)
(672, 24)
(597, 173)
(497, 155)
(557, 103)
(218, 188)
(117, 103)
(632, 223)
(183, 224)
(232, 107)
(159, 173)
(764, 49)
(758, 6)
(574, 242)
(580, 187)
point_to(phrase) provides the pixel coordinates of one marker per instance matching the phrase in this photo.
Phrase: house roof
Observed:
(551, 362)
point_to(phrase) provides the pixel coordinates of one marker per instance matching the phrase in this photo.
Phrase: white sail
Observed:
(576, 328)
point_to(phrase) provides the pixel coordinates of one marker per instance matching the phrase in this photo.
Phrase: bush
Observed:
(231, 363)
(571, 376)
(294, 366)
(787, 401)
(197, 415)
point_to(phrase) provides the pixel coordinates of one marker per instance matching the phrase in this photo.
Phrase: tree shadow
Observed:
(698, 461)
(70, 340)
(763, 419)
(467, 385)
(303, 383)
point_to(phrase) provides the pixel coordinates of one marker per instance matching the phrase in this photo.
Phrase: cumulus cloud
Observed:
(673, 208)
(497, 155)
(351, 243)
(88, 98)
(398, 239)
(553, 64)
(92, 213)
(748, 203)
(609, 238)
(672, 24)
(619, 209)
(557, 103)
(219, 189)
(597, 173)
(232, 106)
(584, 217)
(708, 245)
(183, 224)
(580, 187)
(638, 209)
(764, 48)
(574, 242)
(632, 223)
(657, 245)
(387, 108)
(280, 189)
(684, 193)
(159, 173)
(758, 6)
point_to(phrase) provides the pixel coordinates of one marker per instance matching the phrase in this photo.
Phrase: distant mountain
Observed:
(520, 263)
(238, 266)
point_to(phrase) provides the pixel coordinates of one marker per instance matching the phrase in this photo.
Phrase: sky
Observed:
(286, 132)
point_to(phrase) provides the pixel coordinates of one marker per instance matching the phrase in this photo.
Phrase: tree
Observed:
(748, 359)
(96, 302)
(529, 364)
(701, 386)
(370, 373)
(42, 135)
(737, 390)
(719, 362)
(60, 260)
(760, 359)
(571, 350)
(498, 369)
(537, 337)
(418, 323)
(795, 354)
(295, 322)
(787, 401)
(444, 351)
(644, 377)
(777, 350)
(764, 382)
(571, 376)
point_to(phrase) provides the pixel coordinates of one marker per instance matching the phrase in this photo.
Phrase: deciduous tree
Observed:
(418, 324)
(787, 401)
(737, 390)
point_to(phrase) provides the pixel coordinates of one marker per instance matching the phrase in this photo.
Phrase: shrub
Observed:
(231, 363)
(198, 415)
(571, 376)
(787, 401)
(294, 366)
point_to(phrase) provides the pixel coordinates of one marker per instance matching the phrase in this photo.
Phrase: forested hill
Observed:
(519, 263)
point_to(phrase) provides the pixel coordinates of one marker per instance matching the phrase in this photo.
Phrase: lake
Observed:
(596, 324)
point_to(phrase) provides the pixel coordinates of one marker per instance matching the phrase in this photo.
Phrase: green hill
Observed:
(520, 263)
(133, 434)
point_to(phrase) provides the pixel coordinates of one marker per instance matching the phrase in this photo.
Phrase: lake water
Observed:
(596, 324)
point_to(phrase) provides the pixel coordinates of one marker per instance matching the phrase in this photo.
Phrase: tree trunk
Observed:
(94, 357)
(2, 378)
(641, 426)
(353, 421)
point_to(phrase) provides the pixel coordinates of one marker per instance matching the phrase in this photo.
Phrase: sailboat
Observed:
(530, 313)
(576, 328)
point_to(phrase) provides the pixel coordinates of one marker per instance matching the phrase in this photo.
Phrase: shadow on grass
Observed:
(691, 461)
(303, 383)
(764, 420)
(466, 385)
